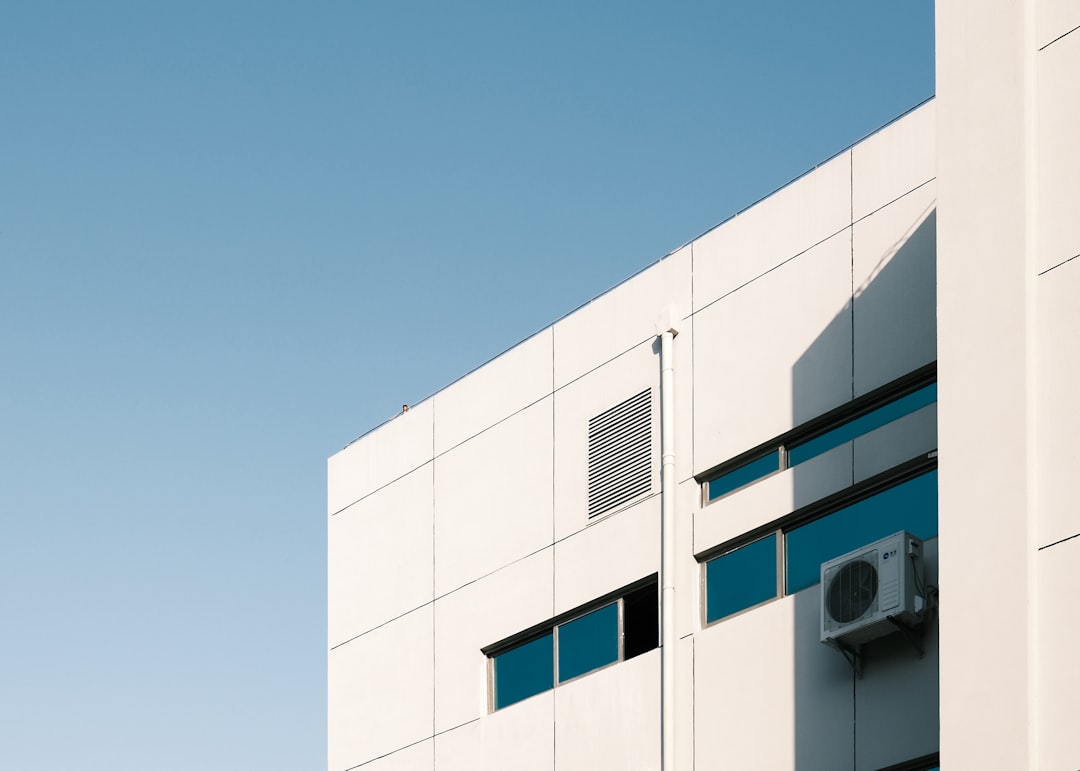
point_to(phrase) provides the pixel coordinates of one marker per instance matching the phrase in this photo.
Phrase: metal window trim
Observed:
(491, 669)
(621, 654)
(535, 632)
(555, 655)
(863, 405)
(898, 475)
(575, 678)
(734, 464)
(740, 488)
(738, 613)
(538, 630)
(778, 595)
(618, 635)
(703, 597)
(921, 464)
(781, 564)
(815, 427)
(490, 662)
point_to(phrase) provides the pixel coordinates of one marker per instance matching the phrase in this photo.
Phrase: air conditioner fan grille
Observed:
(852, 591)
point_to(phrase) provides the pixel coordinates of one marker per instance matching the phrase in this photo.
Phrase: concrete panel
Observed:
(896, 699)
(484, 612)
(983, 376)
(772, 497)
(1056, 18)
(380, 690)
(622, 318)
(498, 389)
(790, 334)
(895, 317)
(627, 545)
(493, 498)
(823, 475)
(893, 162)
(1057, 384)
(790, 221)
(368, 542)
(415, 758)
(1058, 676)
(388, 452)
(611, 719)
(1058, 152)
(584, 399)
(461, 749)
(896, 442)
(518, 737)
(744, 716)
(743, 510)
(824, 683)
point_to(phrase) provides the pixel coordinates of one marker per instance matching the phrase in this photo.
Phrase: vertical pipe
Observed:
(667, 565)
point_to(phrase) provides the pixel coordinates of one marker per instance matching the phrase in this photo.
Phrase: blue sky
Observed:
(235, 235)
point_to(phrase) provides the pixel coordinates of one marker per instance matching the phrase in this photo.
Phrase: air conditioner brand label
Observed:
(890, 579)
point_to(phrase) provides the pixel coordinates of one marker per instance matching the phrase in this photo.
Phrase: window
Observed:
(613, 628)
(860, 417)
(588, 642)
(641, 621)
(523, 672)
(744, 475)
(747, 575)
(910, 506)
(740, 579)
(856, 427)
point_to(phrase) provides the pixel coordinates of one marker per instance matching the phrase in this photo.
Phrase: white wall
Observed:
(1008, 236)
(1057, 383)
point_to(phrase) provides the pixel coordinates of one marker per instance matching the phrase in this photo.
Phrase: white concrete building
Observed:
(603, 549)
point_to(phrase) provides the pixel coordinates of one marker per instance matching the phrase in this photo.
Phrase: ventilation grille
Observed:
(620, 453)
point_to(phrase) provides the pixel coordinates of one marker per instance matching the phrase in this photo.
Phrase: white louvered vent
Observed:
(620, 453)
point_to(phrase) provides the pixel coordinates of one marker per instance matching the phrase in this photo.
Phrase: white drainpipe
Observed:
(667, 565)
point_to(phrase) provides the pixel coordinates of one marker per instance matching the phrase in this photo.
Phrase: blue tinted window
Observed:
(885, 414)
(740, 579)
(524, 671)
(589, 642)
(744, 475)
(910, 506)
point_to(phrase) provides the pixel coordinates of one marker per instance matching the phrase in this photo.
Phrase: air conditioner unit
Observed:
(870, 592)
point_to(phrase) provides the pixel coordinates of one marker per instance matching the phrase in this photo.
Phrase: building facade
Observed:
(603, 549)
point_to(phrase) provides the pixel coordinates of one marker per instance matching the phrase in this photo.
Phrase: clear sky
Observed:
(236, 234)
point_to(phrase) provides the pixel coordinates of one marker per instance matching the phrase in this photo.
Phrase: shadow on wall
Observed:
(888, 329)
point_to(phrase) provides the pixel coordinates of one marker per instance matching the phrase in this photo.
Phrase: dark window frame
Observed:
(551, 626)
(557, 654)
(782, 526)
(779, 577)
(814, 428)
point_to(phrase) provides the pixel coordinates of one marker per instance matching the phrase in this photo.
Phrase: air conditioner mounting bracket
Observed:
(910, 633)
(853, 654)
